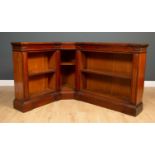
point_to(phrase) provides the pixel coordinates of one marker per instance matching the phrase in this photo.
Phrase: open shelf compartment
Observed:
(67, 78)
(68, 70)
(107, 74)
(42, 84)
(114, 65)
(41, 73)
(109, 86)
(68, 57)
(41, 63)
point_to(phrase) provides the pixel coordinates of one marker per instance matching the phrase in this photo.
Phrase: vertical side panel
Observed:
(138, 75)
(141, 77)
(18, 75)
(134, 77)
(25, 75)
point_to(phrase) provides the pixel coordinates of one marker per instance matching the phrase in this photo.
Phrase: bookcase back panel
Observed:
(39, 62)
(116, 63)
(108, 85)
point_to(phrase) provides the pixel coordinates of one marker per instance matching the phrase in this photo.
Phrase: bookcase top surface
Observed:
(82, 43)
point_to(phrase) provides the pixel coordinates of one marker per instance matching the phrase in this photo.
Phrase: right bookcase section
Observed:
(113, 76)
(107, 74)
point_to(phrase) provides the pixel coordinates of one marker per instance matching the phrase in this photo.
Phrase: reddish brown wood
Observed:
(18, 75)
(58, 61)
(25, 75)
(106, 74)
(78, 71)
(138, 75)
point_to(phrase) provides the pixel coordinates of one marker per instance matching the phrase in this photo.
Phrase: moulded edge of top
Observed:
(84, 43)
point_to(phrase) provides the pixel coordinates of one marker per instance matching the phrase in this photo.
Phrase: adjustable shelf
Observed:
(67, 63)
(106, 73)
(41, 73)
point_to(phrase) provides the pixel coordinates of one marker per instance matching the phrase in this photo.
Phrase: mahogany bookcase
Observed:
(105, 74)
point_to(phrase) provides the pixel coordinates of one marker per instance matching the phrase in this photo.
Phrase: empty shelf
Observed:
(106, 73)
(43, 72)
(67, 63)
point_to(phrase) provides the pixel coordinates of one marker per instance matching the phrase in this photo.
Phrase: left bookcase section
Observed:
(35, 74)
(41, 72)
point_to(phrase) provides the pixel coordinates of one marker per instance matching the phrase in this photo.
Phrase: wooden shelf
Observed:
(112, 74)
(41, 73)
(67, 63)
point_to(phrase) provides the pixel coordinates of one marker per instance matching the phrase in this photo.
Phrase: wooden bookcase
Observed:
(106, 74)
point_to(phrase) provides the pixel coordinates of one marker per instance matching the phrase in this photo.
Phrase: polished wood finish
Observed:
(106, 74)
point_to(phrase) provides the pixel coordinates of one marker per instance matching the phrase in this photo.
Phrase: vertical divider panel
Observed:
(83, 66)
(52, 65)
(78, 70)
(58, 74)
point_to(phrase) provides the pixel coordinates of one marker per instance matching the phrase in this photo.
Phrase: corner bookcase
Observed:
(106, 74)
